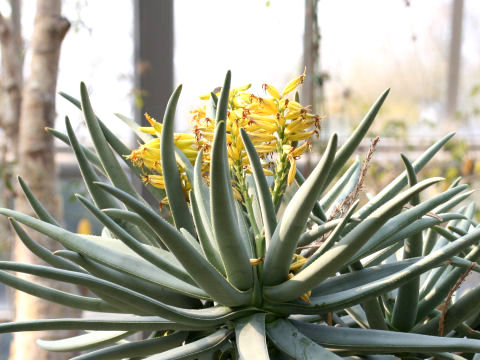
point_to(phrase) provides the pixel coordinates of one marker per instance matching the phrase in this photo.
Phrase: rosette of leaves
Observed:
(207, 287)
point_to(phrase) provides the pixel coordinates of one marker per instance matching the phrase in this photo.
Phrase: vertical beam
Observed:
(309, 53)
(153, 56)
(454, 60)
(153, 37)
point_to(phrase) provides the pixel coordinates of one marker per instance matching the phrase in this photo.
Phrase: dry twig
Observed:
(441, 325)
(343, 207)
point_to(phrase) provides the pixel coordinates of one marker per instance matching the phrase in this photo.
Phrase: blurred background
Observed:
(133, 53)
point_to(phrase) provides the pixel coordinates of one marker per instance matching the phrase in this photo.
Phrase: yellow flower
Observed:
(305, 297)
(293, 154)
(84, 227)
(279, 128)
(272, 91)
(148, 155)
(292, 85)
(155, 124)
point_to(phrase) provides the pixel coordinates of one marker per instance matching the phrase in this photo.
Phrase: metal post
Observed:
(154, 31)
(454, 60)
(153, 56)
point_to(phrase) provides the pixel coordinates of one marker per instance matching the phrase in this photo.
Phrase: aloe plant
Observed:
(231, 277)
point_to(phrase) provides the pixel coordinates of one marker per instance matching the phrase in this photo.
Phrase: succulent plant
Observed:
(230, 277)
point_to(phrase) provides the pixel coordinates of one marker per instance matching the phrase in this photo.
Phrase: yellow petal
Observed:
(243, 88)
(300, 135)
(156, 125)
(272, 91)
(255, 262)
(292, 171)
(148, 130)
(299, 150)
(292, 85)
(155, 180)
(84, 227)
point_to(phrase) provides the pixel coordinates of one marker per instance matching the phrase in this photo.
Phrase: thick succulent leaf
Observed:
(256, 221)
(204, 274)
(173, 184)
(189, 237)
(109, 162)
(360, 278)
(135, 127)
(120, 323)
(347, 190)
(400, 221)
(139, 248)
(332, 238)
(263, 190)
(358, 315)
(107, 256)
(91, 156)
(231, 244)
(464, 263)
(379, 341)
(136, 349)
(317, 210)
(246, 232)
(202, 193)
(433, 241)
(118, 245)
(205, 234)
(448, 356)
(222, 103)
(84, 341)
(125, 301)
(317, 231)
(453, 202)
(405, 308)
(441, 289)
(211, 110)
(135, 219)
(121, 149)
(136, 284)
(466, 306)
(250, 336)
(289, 340)
(36, 205)
(101, 199)
(351, 296)
(342, 186)
(409, 230)
(56, 296)
(212, 315)
(347, 149)
(195, 349)
(202, 216)
(400, 181)
(42, 252)
(334, 259)
(184, 162)
(287, 233)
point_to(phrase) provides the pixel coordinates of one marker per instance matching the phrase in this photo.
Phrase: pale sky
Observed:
(362, 42)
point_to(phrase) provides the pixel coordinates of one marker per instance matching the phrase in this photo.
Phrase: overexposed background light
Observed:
(366, 47)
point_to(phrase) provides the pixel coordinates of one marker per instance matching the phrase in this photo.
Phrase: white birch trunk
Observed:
(36, 166)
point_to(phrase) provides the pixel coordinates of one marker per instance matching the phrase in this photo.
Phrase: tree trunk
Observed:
(12, 78)
(36, 166)
(11, 45)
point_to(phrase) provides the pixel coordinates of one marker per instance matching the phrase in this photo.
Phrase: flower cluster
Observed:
(279, 127)
(148, 158)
